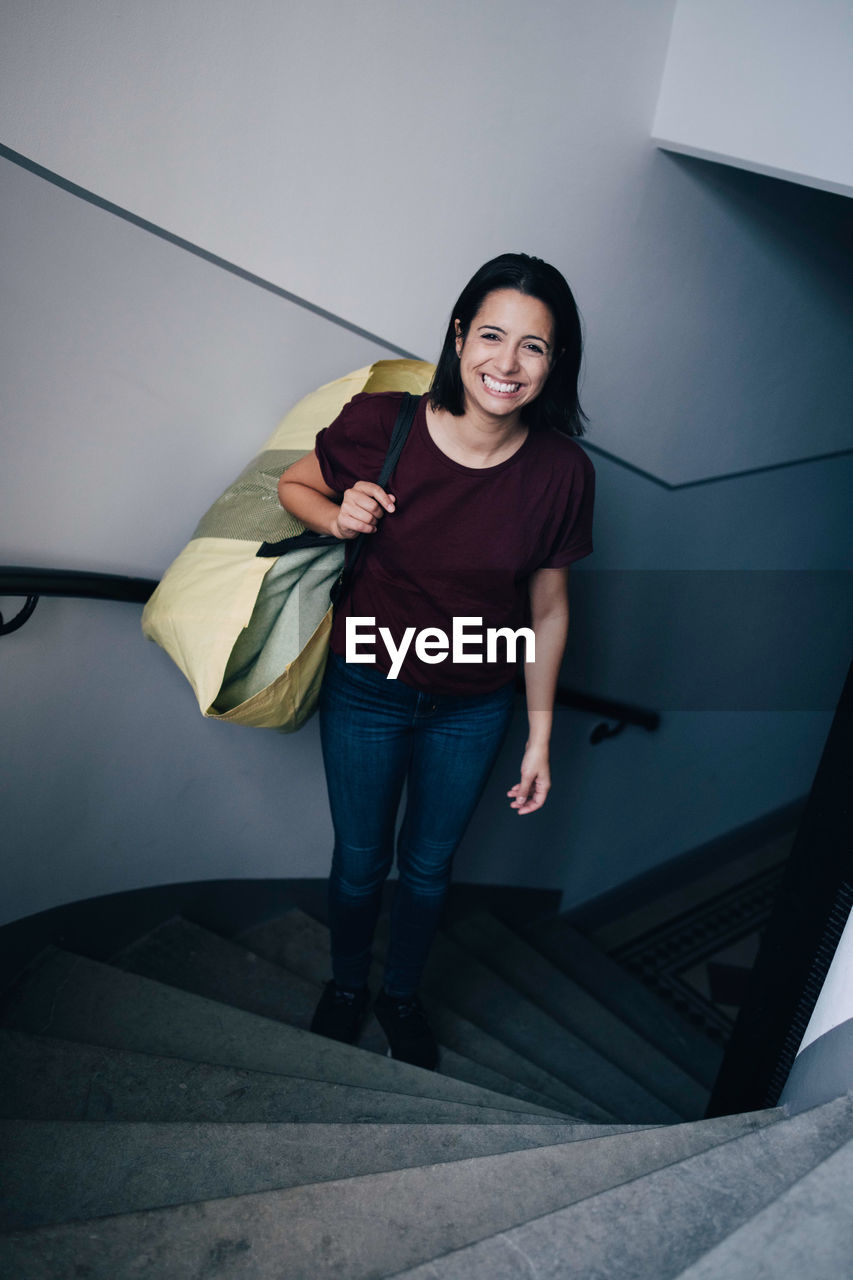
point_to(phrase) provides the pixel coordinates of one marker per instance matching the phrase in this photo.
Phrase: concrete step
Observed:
(557, 1102)
(807, 1231)
(464, 984)
(530, 1081)
(626, 997)
(184, 955)
(530, 973)
(42, 1078)
(63, 1171)
(367, 1226)
(667, 1219)
(300, 944)
(74, 998)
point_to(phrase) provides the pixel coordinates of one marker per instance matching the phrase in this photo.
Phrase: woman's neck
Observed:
(474, 440)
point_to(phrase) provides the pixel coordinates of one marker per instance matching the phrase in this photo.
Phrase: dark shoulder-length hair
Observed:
(557, 405)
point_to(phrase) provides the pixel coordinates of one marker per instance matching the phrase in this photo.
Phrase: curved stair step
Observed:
(660, 1222)
(807, 1231)
(531, 974)
(561, 1103)
(626, 997)
(366, 1226)
(183, 954)
(42, 1078)
(64, 1171)
(467, 986)
(300, 944)
(79, 999)
(531, 1081)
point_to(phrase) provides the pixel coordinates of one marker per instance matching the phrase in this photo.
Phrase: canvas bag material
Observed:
(249, 632)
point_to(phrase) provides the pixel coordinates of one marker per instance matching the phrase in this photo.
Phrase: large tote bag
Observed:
(250, 632)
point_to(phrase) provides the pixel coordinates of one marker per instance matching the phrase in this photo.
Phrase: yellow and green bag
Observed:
(251, 634)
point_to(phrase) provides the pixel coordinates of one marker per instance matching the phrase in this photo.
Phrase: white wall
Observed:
(137, 379)
(823, 1068)
(764, 84)
(835, 1002)
(366, 156)
(369, 157)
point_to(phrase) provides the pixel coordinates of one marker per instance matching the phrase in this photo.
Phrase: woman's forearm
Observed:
(540, 677)
(303, 491)
(549, 614)
(308, 505)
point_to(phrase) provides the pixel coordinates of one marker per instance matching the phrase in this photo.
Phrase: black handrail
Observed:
(33, 583)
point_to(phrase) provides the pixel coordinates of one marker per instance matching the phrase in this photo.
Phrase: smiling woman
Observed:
(490, 503)
(539, 311)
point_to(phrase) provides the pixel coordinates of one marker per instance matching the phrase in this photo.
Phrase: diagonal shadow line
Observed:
(82, 193)
(726, 475)
(143, 223)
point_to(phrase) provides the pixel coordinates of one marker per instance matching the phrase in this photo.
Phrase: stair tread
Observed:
(43, 1078)
(628, 998)
(185, 955)
(668, 1218)
(63, 1171)
(806, 1231)
(330, 1228)
(300, 944)
(533, 975)
(103, 1005)
(471, 989)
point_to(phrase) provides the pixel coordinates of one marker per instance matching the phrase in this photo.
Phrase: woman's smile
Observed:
(500, 388)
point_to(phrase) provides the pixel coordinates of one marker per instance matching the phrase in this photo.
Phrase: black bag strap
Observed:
(309, 538)
(399, 436)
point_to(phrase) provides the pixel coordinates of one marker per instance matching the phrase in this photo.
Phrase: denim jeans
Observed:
(378, 734)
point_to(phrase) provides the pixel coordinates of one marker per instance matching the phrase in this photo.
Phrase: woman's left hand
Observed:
(530, 793)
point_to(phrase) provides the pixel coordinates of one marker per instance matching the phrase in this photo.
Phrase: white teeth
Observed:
(494, 385)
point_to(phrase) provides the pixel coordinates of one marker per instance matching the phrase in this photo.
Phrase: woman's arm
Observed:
(303, 491)
(549, 609)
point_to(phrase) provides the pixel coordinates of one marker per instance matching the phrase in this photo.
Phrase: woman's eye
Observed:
(491, 337)
(531, 346)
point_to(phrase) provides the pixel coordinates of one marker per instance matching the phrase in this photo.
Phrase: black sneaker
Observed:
(340, 1013)
(404, 1022)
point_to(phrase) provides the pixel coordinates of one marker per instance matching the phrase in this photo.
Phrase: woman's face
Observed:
(506, 356)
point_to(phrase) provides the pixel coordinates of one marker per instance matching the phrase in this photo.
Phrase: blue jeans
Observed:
(378, 734)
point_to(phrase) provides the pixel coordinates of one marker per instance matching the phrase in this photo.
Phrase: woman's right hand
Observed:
(361, 509)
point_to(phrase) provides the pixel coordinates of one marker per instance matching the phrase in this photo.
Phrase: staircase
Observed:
(169, 1115)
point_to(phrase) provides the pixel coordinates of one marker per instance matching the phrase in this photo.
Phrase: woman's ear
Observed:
(459, 339)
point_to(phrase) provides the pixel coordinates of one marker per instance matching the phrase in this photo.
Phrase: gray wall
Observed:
(764, 84)
(138, 378)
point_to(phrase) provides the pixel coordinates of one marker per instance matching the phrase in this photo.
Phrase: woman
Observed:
(491, 502)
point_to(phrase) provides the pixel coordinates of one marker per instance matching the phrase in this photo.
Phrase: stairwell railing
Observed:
(32, 584)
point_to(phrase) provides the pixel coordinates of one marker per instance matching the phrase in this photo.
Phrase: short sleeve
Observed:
(354, 446)
(573, 538)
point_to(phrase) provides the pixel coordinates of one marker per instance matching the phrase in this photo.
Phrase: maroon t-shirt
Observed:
(462, 542)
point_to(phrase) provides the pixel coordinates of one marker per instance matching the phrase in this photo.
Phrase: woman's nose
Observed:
(507, 359)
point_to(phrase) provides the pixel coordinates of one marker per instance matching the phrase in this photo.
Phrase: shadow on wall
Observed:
(810, 226)
(712, 640)
(736, 320)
